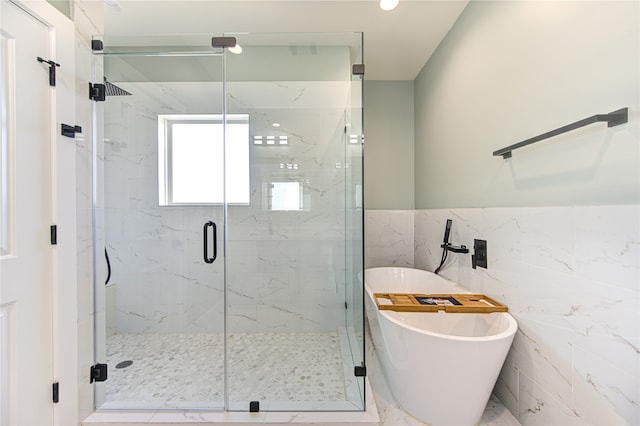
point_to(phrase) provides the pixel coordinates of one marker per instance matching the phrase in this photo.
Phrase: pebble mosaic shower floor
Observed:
(174, 368)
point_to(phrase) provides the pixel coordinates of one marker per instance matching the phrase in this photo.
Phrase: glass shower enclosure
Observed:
(228, 222)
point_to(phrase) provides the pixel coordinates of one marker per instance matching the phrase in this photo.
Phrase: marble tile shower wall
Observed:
(571, 277)
(285, 270)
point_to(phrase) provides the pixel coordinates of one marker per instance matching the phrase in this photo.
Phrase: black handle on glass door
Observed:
(208, 259)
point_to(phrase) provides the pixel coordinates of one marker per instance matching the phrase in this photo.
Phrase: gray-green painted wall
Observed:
(389, 145)
(508, 71)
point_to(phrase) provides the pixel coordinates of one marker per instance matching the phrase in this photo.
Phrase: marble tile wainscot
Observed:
(571, 278)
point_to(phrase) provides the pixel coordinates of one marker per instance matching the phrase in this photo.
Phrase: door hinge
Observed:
(98, 373)
(223, 42)
(52, 70)
(254, 406)
(54, 235)
(97, 45)
(70, 131)
(97, 92)
(56, 393)
(358, 69)
(360, 370)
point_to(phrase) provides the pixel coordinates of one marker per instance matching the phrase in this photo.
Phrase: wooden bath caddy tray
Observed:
(454, 303)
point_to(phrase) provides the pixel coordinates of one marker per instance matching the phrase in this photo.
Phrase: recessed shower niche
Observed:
(229, 224)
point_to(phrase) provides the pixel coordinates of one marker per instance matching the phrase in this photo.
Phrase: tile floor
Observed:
(170, 368)
(179, 356)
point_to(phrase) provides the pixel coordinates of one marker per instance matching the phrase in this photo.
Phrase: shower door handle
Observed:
(208, 259)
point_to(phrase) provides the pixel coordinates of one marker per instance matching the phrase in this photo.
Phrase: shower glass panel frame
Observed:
(276, 321)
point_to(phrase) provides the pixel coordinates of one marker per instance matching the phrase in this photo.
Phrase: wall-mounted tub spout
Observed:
(455, 249)
(447, 246)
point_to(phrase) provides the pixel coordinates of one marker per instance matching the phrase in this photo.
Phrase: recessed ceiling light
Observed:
(276, 125)
(388, 4)
(237, 49)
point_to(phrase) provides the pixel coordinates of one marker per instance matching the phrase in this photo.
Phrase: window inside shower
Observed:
(193, 159)
(228, 199)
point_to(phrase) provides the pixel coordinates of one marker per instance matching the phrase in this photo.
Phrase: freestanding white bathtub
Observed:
(441, 367)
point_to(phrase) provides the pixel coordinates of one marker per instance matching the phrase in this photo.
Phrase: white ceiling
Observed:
(396, 44)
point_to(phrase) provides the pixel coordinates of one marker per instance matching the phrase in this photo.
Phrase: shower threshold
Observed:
(273, 418)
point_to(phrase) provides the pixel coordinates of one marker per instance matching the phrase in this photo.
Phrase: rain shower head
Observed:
(111, 89)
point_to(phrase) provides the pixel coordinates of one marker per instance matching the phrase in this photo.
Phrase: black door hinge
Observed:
(254, 406)
(70, 131)
(98, 373)
(54, 235)
(56, 393)
(97, 45)
(223, 42)
(52, 70)
(97, 92)
(357, 69)
(360, 370)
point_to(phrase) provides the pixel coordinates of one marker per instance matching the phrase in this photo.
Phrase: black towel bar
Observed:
(614, 118)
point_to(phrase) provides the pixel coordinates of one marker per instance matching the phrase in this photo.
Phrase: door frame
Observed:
(63, 214)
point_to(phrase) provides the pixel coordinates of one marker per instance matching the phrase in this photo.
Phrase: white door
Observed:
(26, 259)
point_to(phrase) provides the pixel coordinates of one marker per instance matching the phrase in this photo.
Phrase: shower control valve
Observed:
(479, 256)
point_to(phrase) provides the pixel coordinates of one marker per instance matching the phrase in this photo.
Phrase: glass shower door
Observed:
(159, 221)
(228, 219)
(294, 246)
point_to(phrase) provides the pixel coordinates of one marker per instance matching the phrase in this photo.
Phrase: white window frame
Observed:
(236, 166)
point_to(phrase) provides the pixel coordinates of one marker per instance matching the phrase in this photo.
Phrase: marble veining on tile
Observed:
(292, 263)
(570, 276)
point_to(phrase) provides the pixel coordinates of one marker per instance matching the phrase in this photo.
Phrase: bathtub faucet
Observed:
(455, 249)
(447, 246)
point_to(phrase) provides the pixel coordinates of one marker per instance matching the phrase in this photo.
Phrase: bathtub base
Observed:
(441, 367)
